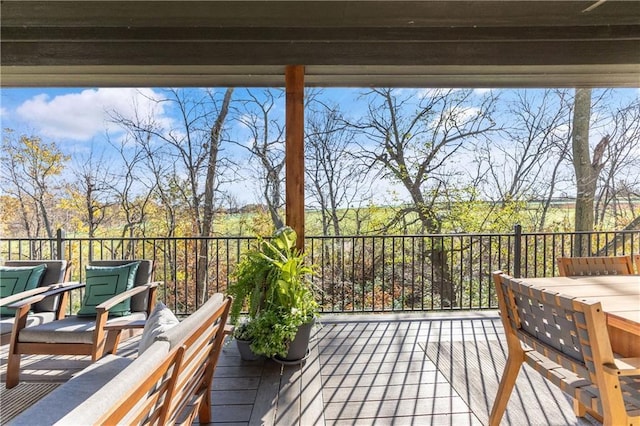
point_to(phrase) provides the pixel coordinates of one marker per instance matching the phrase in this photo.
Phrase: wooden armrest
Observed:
(228, 329)
(63, 287)
(624, 367)
(124, 325)
(22, 295)
(52, 290)
(110, 303)
(67, 285)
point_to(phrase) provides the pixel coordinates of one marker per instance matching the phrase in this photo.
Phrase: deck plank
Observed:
(311, 397)
(288, 411)
(387, 409)
(369, 370)
(392, 392)
(264, 408)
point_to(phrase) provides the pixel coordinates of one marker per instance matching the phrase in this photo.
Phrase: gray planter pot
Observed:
(244, 347)
(300, 344)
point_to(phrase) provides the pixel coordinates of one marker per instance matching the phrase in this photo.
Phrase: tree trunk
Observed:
(209, 199)
(586, 170)
(272, 193)
(585, 179)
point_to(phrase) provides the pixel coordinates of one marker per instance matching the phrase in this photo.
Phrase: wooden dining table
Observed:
(620, 298)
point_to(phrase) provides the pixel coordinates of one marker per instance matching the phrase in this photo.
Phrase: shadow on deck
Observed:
(426, 369)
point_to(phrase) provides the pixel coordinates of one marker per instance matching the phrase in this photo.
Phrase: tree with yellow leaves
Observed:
(31, 169)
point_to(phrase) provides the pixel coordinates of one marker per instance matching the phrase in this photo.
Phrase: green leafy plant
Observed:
(242, 331)
(274, 284)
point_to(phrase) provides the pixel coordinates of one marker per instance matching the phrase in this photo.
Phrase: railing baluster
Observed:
(517, 251)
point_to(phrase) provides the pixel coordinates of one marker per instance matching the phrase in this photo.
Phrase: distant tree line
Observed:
(464, 160)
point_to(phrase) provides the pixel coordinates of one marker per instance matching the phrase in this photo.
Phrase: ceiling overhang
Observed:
(341, 43)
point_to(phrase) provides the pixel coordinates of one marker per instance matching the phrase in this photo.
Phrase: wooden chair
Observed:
(565, 339)
(597, 265)
(49, 309)
(73, 335)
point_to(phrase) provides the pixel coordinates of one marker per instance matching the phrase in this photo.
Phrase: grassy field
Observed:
(479, 217)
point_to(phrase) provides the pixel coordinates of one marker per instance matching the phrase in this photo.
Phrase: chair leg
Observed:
(204, 410)
(509, 376)
(578, 408)
(13, 370)
(113, 340)
(13, 361)
(96, 354)
(100, 335)
(98, 349)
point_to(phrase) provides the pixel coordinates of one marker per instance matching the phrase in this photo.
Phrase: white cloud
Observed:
(469, 113)
(82, 116)
(481, 91)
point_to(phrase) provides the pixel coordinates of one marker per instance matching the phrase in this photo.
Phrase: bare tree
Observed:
(586, 169)
(620, 180)
(526, 164)
(557, 161)
(90, 190)
(518, 173)
(336, 178)
(258, 115)
(414, 138)
(131, 186)
(193, 146)
(162, 173)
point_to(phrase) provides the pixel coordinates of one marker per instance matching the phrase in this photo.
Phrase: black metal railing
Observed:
(389, 273)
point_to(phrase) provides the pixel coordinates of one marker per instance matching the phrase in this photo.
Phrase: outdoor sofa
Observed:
(169, 381)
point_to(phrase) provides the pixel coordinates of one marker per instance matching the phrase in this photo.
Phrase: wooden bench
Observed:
(170, 382)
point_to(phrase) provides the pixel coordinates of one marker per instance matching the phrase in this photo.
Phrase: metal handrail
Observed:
(357, 273)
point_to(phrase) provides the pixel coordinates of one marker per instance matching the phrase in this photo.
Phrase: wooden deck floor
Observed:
(362, 369)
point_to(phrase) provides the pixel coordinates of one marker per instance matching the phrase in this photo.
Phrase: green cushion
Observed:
(15, 279)
(104, 282)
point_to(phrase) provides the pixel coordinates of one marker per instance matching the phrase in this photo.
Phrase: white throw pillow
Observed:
(160, 320)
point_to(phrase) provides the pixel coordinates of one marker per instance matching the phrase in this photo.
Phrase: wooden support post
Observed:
(294, 154)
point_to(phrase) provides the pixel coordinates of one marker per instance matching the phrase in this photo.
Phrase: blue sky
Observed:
(77, 120)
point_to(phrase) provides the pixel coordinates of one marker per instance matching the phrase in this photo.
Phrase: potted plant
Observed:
(242, 336)
(273, 283)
